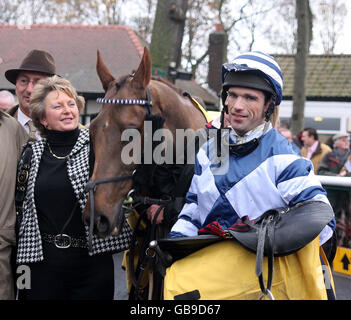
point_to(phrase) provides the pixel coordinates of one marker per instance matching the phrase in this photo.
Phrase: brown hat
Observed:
(35, 61)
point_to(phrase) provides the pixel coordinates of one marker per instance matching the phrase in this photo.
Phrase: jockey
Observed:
(261, 170)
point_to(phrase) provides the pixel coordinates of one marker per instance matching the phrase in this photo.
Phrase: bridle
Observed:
(147, 103)
(91, 184)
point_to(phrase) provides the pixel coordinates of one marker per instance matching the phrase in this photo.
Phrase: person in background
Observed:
(53, 240)
(37, 64)
(346, 169)
(335, 163)
(12, 138)
(7, 100)
(312, 148)
(298, 139)
(287, 134)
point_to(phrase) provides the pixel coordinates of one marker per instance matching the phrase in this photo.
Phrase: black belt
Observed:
(64, 241)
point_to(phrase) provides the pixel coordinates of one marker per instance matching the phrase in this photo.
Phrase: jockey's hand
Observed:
(151, 211)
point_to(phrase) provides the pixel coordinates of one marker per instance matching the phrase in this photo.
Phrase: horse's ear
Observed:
(142, 76)
(103, 72)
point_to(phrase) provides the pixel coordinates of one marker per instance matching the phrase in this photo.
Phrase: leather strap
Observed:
(145, 255)
(90, 187)
(265, 240)
(73, 242)
(21, 184)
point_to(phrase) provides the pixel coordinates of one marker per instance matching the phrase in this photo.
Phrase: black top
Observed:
(54, 194)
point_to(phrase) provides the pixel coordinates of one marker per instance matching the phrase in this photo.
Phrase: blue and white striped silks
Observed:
(272, 176)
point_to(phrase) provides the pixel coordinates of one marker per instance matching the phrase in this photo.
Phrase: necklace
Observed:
(54, 155)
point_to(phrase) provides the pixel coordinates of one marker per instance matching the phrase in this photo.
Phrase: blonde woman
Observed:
(52, 236)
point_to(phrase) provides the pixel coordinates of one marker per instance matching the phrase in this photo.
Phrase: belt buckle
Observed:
(62, 241)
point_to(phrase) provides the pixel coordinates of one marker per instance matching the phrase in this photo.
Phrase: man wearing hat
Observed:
(38, 64)
(333, 161)
(35, 66)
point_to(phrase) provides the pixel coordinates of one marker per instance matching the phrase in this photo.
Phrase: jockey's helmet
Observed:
(255, 70)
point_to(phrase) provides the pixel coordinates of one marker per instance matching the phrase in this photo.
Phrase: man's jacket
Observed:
(317, 156)
(272, 176)
(333, 162)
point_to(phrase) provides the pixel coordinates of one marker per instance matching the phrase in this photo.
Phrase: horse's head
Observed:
(106, 131)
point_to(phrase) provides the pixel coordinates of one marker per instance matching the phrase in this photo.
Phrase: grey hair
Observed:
(42, 89)
(7, 94)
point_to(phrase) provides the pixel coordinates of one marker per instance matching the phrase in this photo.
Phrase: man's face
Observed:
(5, 103)
(25, 83)
(307, 140)
(246, 108)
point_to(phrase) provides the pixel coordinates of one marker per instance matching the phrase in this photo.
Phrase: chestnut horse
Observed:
(125, 106)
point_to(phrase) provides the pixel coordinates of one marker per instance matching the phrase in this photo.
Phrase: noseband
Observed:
(91, 184)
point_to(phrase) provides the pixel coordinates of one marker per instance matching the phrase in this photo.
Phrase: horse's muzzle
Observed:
(102, 226)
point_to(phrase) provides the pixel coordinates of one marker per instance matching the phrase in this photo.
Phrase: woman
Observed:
(52, 237)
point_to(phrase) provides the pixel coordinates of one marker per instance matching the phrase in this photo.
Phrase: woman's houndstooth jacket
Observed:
(30, 242)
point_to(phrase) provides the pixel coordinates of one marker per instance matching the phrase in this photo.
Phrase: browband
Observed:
(146, 103)
(124, 101)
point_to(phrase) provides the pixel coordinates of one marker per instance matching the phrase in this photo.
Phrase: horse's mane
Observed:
(169, 84)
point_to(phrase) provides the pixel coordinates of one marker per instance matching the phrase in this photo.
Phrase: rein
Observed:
(90, 187)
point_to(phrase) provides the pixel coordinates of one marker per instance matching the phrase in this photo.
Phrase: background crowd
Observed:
(332, 158)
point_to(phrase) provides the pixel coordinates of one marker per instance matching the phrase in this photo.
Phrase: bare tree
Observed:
(244, 21)
(239, 20)
(9, 11)
(35, 6)
(21, 12)
(328, 18)
(331, 15)
(143, 22)
(283, 35)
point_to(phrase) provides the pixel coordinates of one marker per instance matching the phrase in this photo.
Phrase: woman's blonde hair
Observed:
(42, 89)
